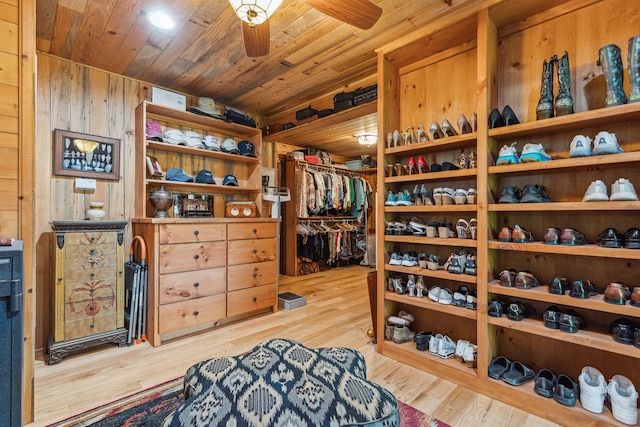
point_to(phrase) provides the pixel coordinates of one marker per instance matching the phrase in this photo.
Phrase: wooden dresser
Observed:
(207, 272)
(87, 289)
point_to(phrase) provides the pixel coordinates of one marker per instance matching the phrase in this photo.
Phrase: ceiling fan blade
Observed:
(359, 13)
(256, 39)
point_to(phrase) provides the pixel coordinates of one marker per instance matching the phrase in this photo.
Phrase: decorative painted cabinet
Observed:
(87, 289)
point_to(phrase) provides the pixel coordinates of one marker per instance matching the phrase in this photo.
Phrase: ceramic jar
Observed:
(96, 211)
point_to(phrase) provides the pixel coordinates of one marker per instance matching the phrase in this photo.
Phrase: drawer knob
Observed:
(255, 251)
(255, 299)
(255, 231)
(92, 274)
(196, 256)
(196, 232)
(195, 313)
(255, 275)
(195, 285)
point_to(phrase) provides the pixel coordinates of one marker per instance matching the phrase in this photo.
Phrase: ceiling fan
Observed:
(255, 18)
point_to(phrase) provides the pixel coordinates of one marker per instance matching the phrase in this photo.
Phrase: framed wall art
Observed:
(83, 155)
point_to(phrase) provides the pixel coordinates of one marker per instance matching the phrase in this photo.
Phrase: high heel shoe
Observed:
(422, 134)
(390, 140)
(398, 140)
(495, 119)
(427, 197)
(413, 167)
(390, 170)
(410, 135)
(463, 125)
(417, 197)
(473, 121)
(436, 131)
(401, 169)
(423, 167)
(448, 128)
(509, 116)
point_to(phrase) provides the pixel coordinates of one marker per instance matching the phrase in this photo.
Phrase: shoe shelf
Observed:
(571, 122)
(575, 415)
(592, 337)
(578, 250)
(425, 360)
(429, 304)
(431, 209)
(437, 274)
(559, 165)
(163, 146)
(564, 206)
(541, 293)
(190, 186)
(446, 143)
(431, 176)
(467, 243)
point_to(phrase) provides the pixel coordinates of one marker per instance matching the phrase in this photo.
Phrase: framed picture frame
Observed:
(154, 168)
(82, 155)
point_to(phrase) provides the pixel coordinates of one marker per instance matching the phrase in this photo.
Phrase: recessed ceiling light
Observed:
(161, 20)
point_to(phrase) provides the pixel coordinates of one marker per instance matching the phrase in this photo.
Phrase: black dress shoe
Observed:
(495, 119)
(497, 308)
(623, 331)
(534, 193)
(571, 322)
(582, 289)
(609, 238)
(510, 194)
(551, 317)
(509, 116)
(559, 286)
(632, 238)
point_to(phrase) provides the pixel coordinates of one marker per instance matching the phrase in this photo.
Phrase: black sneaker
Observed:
(609, 238)
(510, 194)
(632, 238)
(534, 193)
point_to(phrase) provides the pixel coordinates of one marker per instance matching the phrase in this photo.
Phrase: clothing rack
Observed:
(331, 168)
(329, 219)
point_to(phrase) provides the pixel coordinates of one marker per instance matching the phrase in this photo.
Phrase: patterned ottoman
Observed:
(283, 383)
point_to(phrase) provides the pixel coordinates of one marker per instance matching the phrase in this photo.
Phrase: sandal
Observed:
(437, 196)
(472, 196)
(463, 230)
(447, 196)
(473, 226)
(460, 196)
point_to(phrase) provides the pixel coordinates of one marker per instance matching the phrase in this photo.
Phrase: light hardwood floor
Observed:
(336, 314)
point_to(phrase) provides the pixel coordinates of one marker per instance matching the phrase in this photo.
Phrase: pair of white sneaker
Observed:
(621, 391)
(604, 143)
(621, 190)
(442, 346)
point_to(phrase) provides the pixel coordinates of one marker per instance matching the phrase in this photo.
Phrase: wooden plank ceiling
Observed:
(311, 55)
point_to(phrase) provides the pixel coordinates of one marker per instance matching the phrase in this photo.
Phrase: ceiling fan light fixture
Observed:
(366, 138)
(254, 12)
(161, 20)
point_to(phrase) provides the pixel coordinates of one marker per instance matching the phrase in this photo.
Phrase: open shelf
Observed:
(564, 206)
(446, 143)
(578, 250)
(204, 188)
(439, 208)
(560, 165)
(409, 348)
(438, 274)
(163, 146)
(541, 293)
(467, 243)
(432, 305)
(432, 176)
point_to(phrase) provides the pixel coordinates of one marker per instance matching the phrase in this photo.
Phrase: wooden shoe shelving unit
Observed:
(486, 55)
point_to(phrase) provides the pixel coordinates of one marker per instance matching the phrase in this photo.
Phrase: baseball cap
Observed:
(246, 148)
(206, 106)
(312, 159)
(178, 174)
(174, 136)
(193, 139)
(230, 146)
(154, 131)
(211, 143)
(230, 180)
(205, 177)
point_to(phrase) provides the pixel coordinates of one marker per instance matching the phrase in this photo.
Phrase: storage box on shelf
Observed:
(510, 44)
(203, 272)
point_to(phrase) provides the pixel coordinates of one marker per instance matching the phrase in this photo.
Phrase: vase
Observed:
(96, 211)
(161, 200)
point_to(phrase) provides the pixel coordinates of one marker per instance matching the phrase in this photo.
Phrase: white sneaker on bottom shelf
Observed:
(593, 389)
(624, 398)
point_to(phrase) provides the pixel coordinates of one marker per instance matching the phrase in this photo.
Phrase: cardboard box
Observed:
(168, 99)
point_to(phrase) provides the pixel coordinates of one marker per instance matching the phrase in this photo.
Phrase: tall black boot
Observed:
(564, 102)
(544, 110)
(633, 64)
(611, 62)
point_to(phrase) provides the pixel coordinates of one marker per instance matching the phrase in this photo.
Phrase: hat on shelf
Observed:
(230, 146)
(211, 143)
(178, 175)
(207, 107)
(230, 180)
(154, 131)
(312, 159)
(246, 148)
(205, 177)
(175, 137)
(193, 139)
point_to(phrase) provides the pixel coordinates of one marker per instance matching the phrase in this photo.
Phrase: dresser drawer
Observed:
(186, 314)
(240, 231)
(89, 317)
(192, 256)
(96, 237)
(188, 233)
(247, 300)
(251, 275)
(191, 284)
(248, 251)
